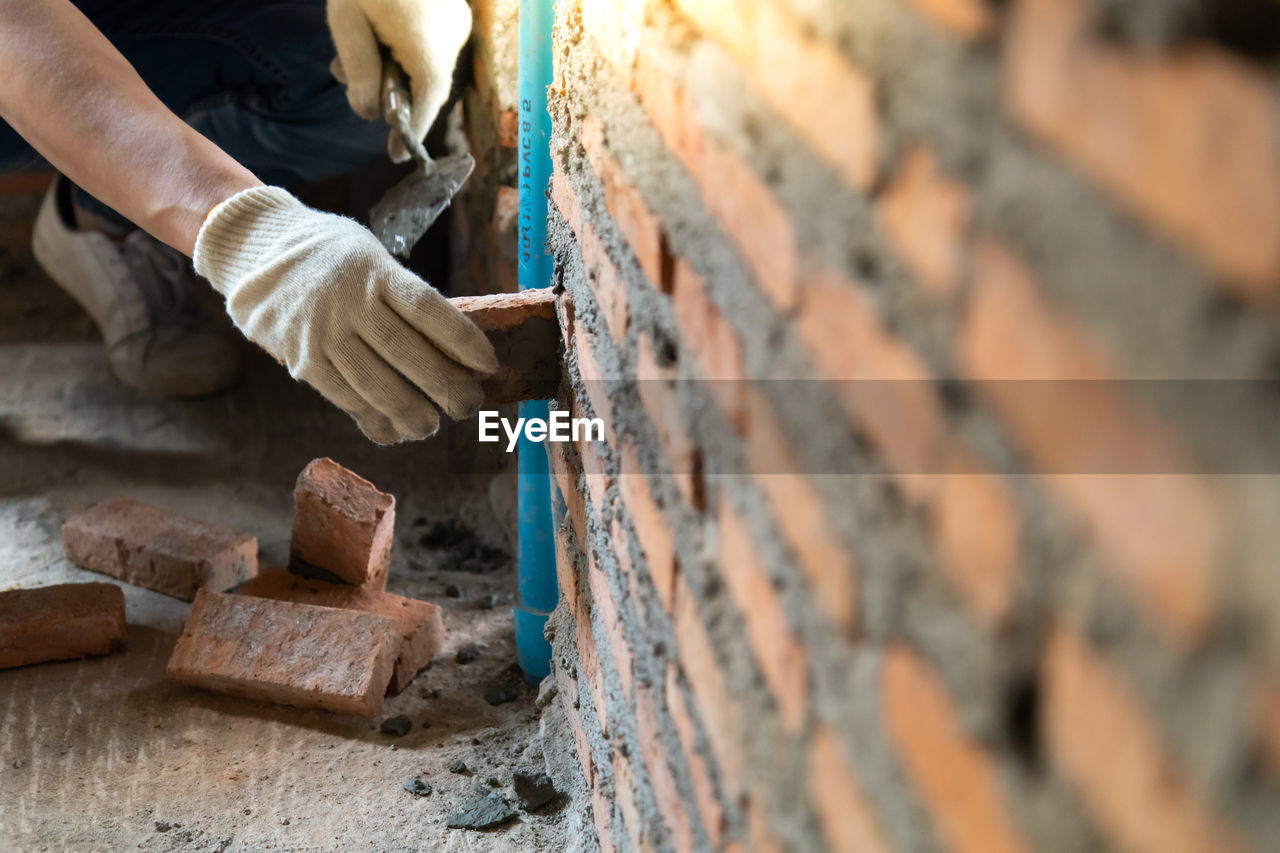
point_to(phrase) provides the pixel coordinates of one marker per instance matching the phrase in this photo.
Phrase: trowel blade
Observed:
(408, 209)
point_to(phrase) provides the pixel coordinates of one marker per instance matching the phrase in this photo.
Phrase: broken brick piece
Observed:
(279, 651)
(151, 547)
(341, 524)
(421, 623)
(68, 620)
(525, 335)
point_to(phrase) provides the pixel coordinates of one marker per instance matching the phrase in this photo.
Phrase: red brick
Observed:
(602, 812)
(295, 654)
(508, 128)
(421, 623)
(926, 217)
(665, 792)
(1189, 140)
(1104, 742)
(975, 526)
(524, 332)
(69, 620)
(743, 206)
(624, 790)
(836, 118)
(589, 665)
(801, 514)
(565, 198)
(662, 405)
(567, 481)
(151, 547)
(847, 821)
(606, 283)
(1161, 534)
(341, 524)
(716, 707)
(779, 652)
(885, 386)
(652, 531)
(956, 780)
(642, 228)
(597, 479)
(615, 28)
(593, 380)
(964, 19)
(566, 573)
(760, 835)
(713, 340)
(501, 312)
(607, 609)
(704, 791)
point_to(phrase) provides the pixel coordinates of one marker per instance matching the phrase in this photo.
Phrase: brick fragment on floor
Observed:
(70, 620)
(342, 525)
(281, 651)
(420, 623)
(152, 547)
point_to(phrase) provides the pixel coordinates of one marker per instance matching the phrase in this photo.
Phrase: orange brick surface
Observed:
(1102, 740)
(846, 820)
(640, 226)
(713, 340)
(59, 622)
(151, 547)
(1189, 141)
(837, 118)
(956, 779)
(704, 791)
(779, 652)
(926, 217)
(421, 623)
(295, 654)
(651, 527)
(801, 514)
(1162, 534)
(342, 524)
(667, 796)
(662, 405)
(607, 608)
(716, 707)
(965, 19)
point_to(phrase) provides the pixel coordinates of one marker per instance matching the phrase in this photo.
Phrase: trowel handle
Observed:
(396, 96)
(397, 101)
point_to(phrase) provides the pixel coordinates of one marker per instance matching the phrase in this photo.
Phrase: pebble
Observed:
(468, 654)
(501, 693)
(484, 810)
(417, 786)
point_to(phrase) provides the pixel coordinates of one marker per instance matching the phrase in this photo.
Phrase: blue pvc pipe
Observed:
(536, 591)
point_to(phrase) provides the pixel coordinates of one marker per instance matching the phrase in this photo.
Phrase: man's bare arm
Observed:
(78, 102)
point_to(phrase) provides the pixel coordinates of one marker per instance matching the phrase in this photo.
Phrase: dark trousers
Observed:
(251, 75)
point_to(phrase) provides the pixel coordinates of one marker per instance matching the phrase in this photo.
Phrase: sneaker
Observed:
(165, 329)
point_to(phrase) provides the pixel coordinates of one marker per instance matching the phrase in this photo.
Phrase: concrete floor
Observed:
(107, 752)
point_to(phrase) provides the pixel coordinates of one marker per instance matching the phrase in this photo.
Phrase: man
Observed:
(176, 123)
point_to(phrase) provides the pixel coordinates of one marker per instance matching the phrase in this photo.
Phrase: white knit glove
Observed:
(319, 293)
(424, 36)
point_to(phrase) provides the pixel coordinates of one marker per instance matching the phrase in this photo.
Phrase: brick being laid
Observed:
(293, 654)
(70, 620)
(342, 525)
(420, 623)
(152, 547)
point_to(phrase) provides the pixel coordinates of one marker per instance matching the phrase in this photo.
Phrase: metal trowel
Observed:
(407, 210)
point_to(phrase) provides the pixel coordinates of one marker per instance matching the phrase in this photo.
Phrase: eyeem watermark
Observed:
(558, 427)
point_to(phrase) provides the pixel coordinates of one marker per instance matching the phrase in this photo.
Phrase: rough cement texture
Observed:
(109, 749)
(1155, 315)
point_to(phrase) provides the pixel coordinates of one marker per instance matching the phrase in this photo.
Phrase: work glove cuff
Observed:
(241, 231)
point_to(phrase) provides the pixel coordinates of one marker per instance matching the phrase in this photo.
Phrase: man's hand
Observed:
(320, 293)
(424, 36)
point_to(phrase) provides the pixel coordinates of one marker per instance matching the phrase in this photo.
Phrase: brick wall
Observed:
(933, 340)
